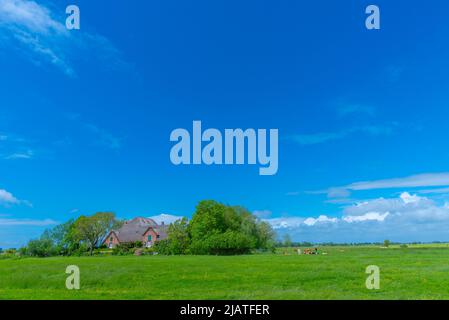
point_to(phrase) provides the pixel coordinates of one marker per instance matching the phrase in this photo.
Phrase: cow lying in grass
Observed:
(310, 251)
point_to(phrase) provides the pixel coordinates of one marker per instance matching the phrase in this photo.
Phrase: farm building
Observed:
(140, 229)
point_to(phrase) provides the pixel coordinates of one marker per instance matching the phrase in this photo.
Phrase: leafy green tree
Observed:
(178, 236)
(265, 236)
(62, 237)
(387, 243)
(43, 247)
(178, 239)
(52, 242)
(287, 241)
(219, 229)
(208, 218)
(92, 229)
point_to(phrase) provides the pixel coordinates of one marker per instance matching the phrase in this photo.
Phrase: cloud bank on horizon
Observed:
(407, 218)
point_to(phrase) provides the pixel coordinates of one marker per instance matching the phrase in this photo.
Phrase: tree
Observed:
(92, 229)
(287, 241)
(178, 237)
(265, 236)
(62, 237)
(387, 243)
(216, 228)
(42, 247)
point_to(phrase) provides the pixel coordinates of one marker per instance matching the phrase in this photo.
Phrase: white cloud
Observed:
(7, 198)
(321, 219)
(295, 222)
(435, 191)
(28, 154)
(408, 198)
(370, 216)
(287, 222)
(13, 147)
(166, 218)
(420, 180)
(30, 26)
(29, 15)
(40, 34)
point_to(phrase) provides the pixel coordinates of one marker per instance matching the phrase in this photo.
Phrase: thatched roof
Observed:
(134, 229)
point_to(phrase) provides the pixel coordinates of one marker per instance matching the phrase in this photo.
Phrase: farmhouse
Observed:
(140, 229)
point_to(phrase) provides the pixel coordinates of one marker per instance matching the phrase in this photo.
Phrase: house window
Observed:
(158, 236)
(110, 239)
(149, 238)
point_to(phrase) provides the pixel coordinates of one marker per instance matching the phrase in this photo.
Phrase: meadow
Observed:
(420, 272)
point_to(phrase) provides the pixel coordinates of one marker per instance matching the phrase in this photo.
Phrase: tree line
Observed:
(74, 237)
(215, 229)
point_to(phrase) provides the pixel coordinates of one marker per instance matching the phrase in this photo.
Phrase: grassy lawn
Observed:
(412, 273)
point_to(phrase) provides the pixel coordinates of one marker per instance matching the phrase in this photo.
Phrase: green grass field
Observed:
(412, 273)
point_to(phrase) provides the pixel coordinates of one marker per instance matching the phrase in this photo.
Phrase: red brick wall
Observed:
(153, 237)
(115, 241)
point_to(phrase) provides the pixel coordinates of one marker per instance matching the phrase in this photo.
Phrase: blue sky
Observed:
(86, 115)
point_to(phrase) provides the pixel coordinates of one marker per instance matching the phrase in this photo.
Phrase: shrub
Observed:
(80, 250)
(163, 247)
(219, 229)
(138, 244)
(124, 249)
(228, 243)
(41, 248)
(150, 251)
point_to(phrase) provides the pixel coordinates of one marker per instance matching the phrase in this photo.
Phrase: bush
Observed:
(163, 247)
(219, 229)
(125, 248)
(228, 243)
(150, 251)
(79, 250)
(10, 251)
(138, 244)
(41, 248)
